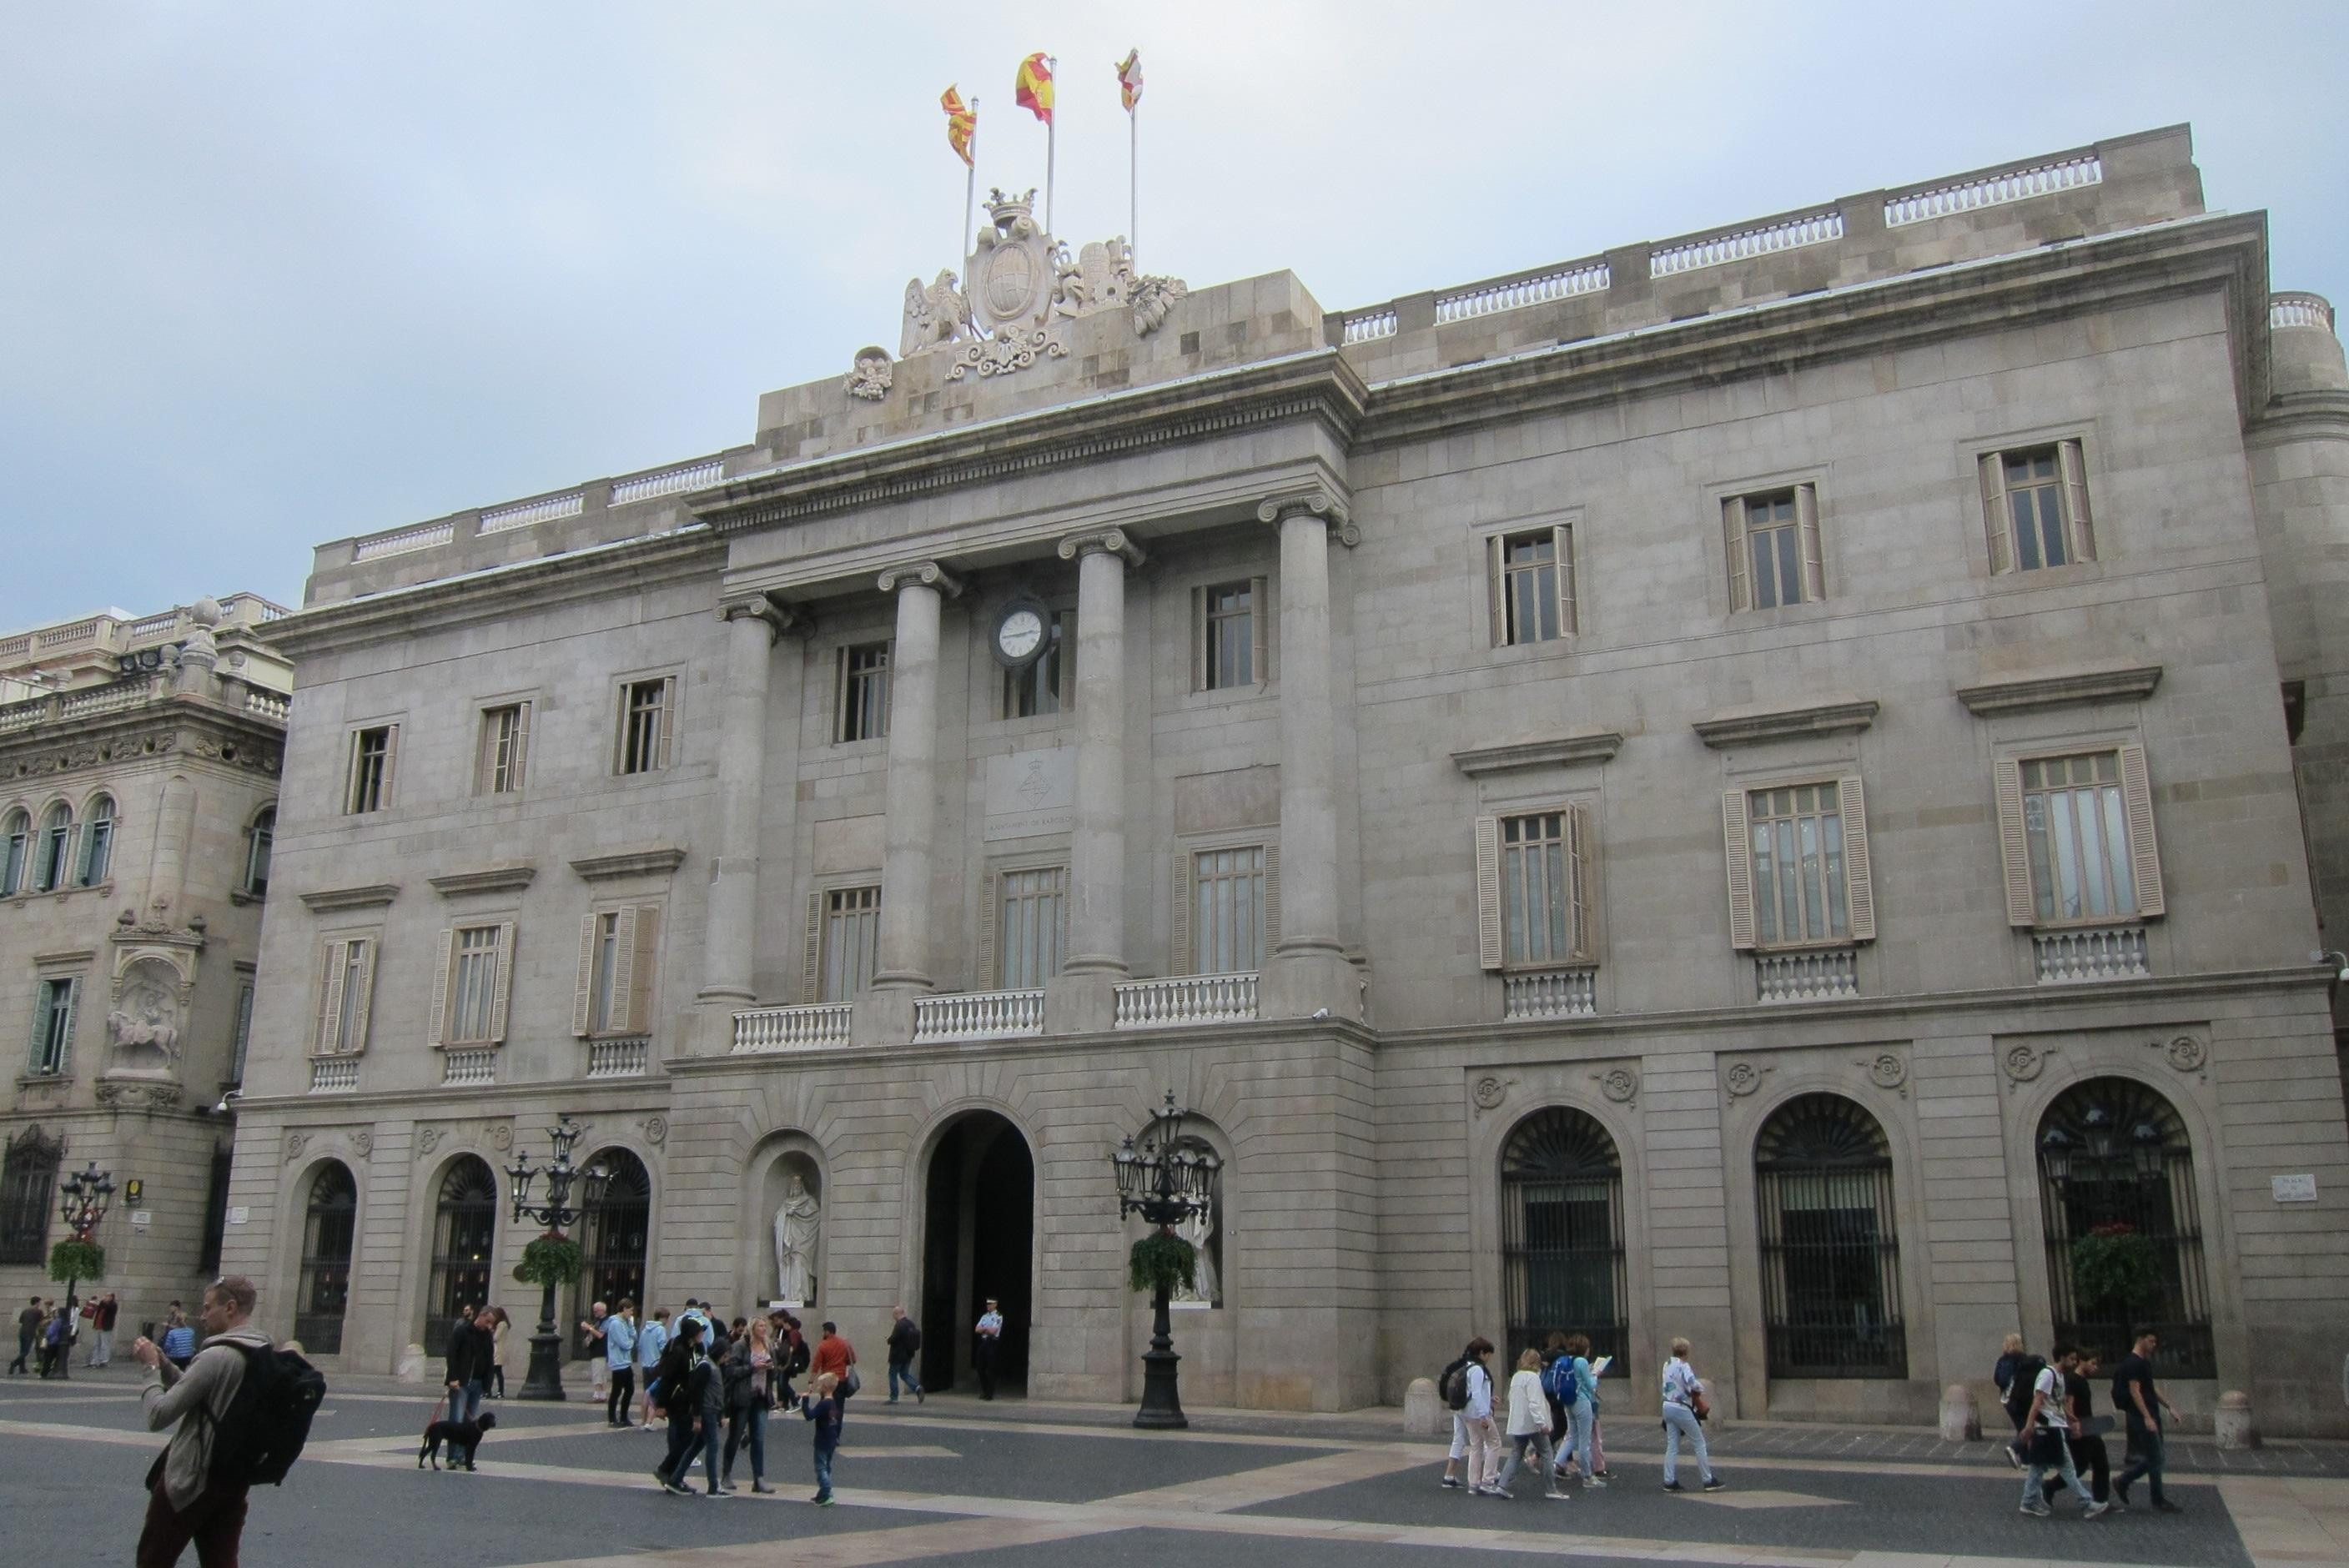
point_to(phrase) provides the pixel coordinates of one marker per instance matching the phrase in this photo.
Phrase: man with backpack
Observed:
(905, 1343)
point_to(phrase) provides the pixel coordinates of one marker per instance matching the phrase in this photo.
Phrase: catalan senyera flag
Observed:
(962, 122)
(1033, 88)
(1129, 78)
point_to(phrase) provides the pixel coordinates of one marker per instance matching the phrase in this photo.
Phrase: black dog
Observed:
(462, 1438)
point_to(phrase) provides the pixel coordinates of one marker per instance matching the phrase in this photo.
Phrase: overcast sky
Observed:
(275, 274)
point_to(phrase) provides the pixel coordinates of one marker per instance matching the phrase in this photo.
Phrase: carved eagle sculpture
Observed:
(935, 314)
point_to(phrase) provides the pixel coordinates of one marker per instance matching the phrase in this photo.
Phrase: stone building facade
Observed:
(1747, 787)
(139, 761)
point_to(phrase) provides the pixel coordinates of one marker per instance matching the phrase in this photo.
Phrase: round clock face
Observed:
(1018, 634)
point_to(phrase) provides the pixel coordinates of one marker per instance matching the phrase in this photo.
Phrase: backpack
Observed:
(257, 1439)
(1560, 1382)
(1454, 1384)
(798, 1359)
(2026, 1379)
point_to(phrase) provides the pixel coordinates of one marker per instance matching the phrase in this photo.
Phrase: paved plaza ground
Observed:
(1065, 1486)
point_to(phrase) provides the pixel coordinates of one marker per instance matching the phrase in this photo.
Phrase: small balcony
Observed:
(467, 1066)
(1186, 999)
(2090, 953)
(1549, 993)
(978, 1016)
(1817, 975)
(333, 1074)
(629, 1057)
(760, 1030)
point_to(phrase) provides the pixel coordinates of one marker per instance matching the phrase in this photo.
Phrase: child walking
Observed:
(822, 1406)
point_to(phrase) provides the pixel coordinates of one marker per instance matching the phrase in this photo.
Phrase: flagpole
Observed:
(969, 191)
(1051, 139)
(1134, 186)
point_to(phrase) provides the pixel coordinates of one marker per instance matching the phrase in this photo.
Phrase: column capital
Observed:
(1102, 541)
(761, 605)
(1311, 500)
(927, 573)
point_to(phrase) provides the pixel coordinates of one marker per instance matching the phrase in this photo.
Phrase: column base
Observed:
(1081, 1002)
(711, 1031)
(1306, 978)
(884, 1016)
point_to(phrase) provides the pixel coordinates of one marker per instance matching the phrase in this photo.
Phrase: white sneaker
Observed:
(2097, 1510)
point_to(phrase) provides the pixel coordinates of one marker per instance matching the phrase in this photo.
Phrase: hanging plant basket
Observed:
(71, 1260)
(2114, 1268)
(1162, 1261)
(551, 1258)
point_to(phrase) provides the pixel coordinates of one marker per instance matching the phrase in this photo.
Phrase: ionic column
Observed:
(729, 955)
(1097, 844)
(1316, 972)
(911, 798)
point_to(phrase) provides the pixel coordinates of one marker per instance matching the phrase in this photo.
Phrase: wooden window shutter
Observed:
(351, 777)
(365, 1011)
(390, 765)
(1179, 958)
(1199, 639)
(2144, 854)
(1578, 848)
(2070, 461)
(990, 895)
(1060, 892)
(1860, 888)
(1737, 842)
(502, 994)
(1562, 548)
(2013, 848)
(1806, 532)
(668, 722)
(439, 1015)
(1489, 954)
(811, 963)
(623, 971)
(516, 771)
(1271, 898)
(1496, 590)
(582, 998)
(642, 947)
(1996, 526)
(73, 1018)
(330, 994)
(1732, 539)
(1259, 631)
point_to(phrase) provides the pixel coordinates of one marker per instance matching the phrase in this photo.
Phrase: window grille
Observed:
(1562, 1266)
(1830, 1243)
(465, 1247)
(328, 1230)
(613, 1236)
(28, 1180)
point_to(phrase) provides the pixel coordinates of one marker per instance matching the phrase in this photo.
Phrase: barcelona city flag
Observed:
(1033, 90)
(1129, 78)
(962, 122)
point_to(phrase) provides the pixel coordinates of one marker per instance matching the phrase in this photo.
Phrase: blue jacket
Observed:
(619, 1342)
(652, 1338)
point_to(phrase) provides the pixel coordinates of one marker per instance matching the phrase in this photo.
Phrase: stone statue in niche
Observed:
(145, 1020)
(795, 1233)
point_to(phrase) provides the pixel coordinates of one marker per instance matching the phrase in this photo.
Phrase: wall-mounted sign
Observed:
(239, 1215)
(132, 1191)
(141, 1219)
(2294, 1189)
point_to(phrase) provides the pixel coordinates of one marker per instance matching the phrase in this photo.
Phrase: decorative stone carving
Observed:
(146, 1095)
(1100, 278)
(872, 373)
(1885, 1069)
(427, 1139)
(2023, 1062)
(1489, 1092)
(1153, 298)
(1321, 504)
(1619, 1084)
(936, 315)
(501, 1136)
(295, 1143)
(1014, 276)
(1011, 348)
(363, 1142)
(1198, 1228)
(929, 573)
(1742, 1078)
(144, 1022)
(654, 1129)
(796, 1224)
(2185, 1053)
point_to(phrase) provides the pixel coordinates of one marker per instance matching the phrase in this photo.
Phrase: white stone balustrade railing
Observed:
(333, 1074)
(156, 625)
(78, 632)
(1806, 976)
(669, 481)
(425, 536)
(25, 715)
(807, 1028)
(468, 1067)
(111, 697)
(1995, 188)
(1186, 999)
(268, 704)
(523, 514)
(1510, 294)
(1363, 325)
(978, 1016)
(630, 1057)
(1549, 993)
(2095, 952)
(17, 647)
(1743, 244)
(2299, 310)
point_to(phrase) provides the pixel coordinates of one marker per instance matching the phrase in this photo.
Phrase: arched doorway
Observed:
(28, 1191)
(325, 1290)
(1830, 1243)
(979, 1241)
(1562, 1233)
(612, 1234)
(464, 1242)
(2123, 1230)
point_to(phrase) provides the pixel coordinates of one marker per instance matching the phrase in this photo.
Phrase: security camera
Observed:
(2340, 960)
(221, 1108)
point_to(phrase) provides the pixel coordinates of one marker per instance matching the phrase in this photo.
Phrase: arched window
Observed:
(1830, 1243)
(28, 1180)
(97, 843)
(2124, 1231)
(1562, 1232)
(464, 1242)
(612, 1234)
(259, 840)
(54, 852)
(17, 851)
(327, 1235)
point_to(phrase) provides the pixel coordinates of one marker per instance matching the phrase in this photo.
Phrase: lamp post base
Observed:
(1161, 1401)
(546, 1379)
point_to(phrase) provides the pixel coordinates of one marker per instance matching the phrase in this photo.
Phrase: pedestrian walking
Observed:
(28, 1329)
(905, 1343)
(591, 1334)
(1578, 1392)
(749, 1394)
(184, 1503)
(617, 1340)
(837, 1356)
(179, 1339)
(2090, 1458)
(102, 1315)
(2016, 1370)
(2049, 1422)
(652, 1345)
(57, 1343)
(821, 1406)
(500, 1346)
(986, 1344)
(1686, 1407)
(1529, 1427)
(682, 1389)
(2134, 1392)
(1483, 1437)
(462, 1366)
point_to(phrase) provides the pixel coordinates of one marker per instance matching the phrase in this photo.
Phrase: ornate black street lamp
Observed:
(546, 1379)
(1166, 1180)
(83, 1205)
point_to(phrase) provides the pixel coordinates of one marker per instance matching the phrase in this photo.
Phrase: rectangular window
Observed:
(1028, 918)
(1042, 687)
(647, 714)
(1532, 586)
(241, 1039)
(474, 984)
(1799, 895)
(1228, 922)
(1541, 890)
(2075, 826)
(619, 957)
(12, 871)
(861, 696)
(852, 941)
(2035, 508)
(1227, 635)
(607, 964)
(1773, 542)
(345, 987)
(53, 1024)
(504, 750)
(374, 750)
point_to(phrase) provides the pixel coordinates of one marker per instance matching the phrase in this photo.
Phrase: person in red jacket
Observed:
(836, 1356)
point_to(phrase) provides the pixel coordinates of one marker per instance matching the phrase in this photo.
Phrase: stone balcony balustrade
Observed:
(817, 1027)
(629, 1057)
(2094, 952)
(1186, 999)
(333, 1074)
(1570, 993)
(978, 1016)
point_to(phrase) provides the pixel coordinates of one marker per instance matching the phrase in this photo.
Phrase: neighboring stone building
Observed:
(1739, 788)
(138, 761)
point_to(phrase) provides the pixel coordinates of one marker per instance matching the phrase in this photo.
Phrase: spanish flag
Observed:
(962, 122)
(1129, 79)
(1033, 88)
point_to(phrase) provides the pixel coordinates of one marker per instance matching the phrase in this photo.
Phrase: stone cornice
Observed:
(372, 895)
(488, 879)
(653, 860)
(2060, 688)
(1581, 747)
(1745, 725)
(160, 729)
